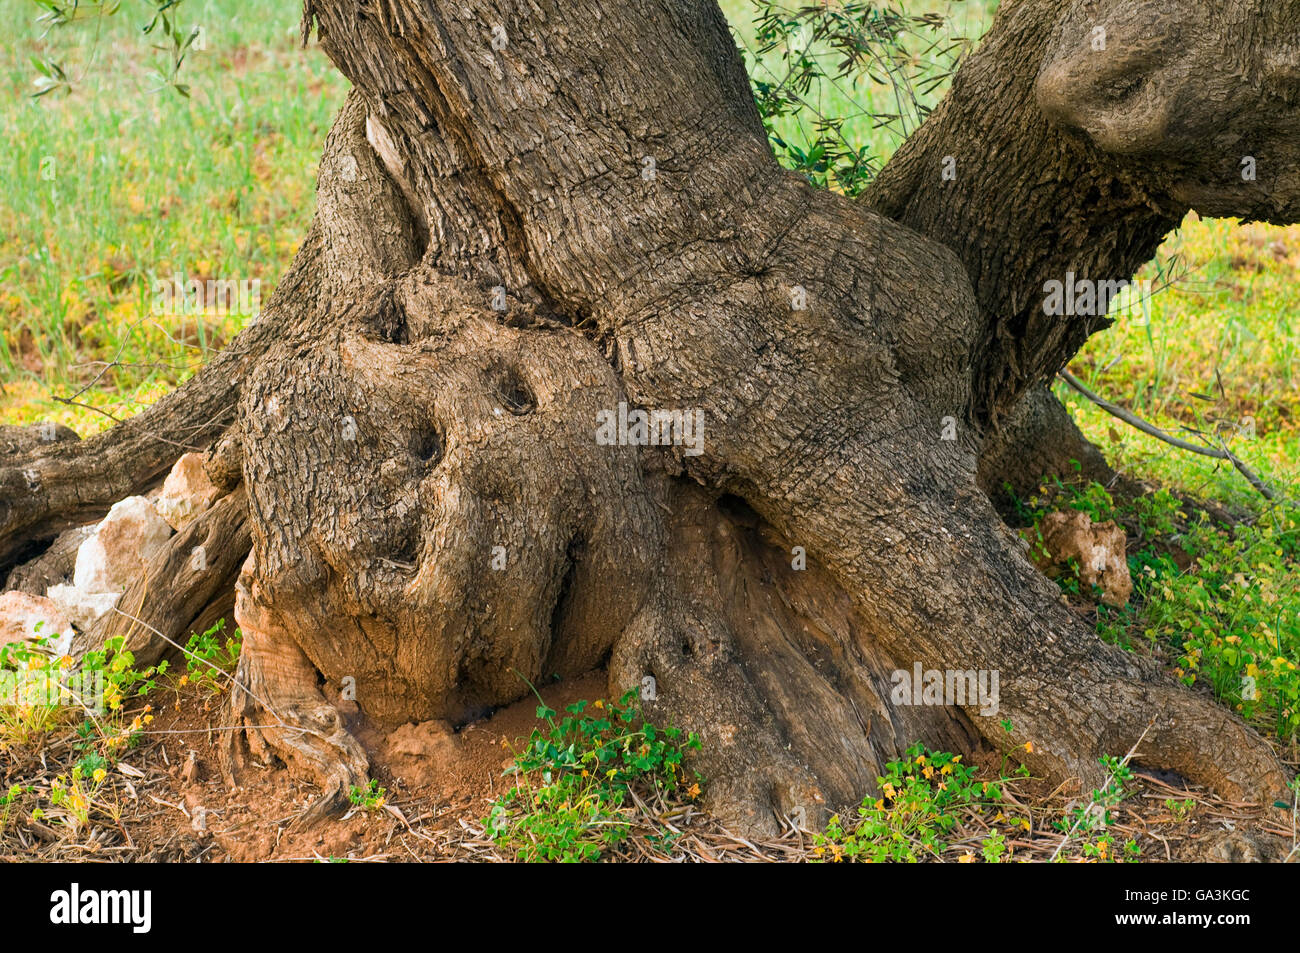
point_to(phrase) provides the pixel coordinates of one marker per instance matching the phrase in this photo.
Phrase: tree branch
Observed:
(1220, 452)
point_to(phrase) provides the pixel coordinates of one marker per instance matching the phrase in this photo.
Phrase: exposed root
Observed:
(187, 587)
(283, 712)
(764, 653)
(48, 488)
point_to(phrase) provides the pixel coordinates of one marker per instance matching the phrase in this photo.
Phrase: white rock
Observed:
(83, 608)
(121, 547)
(20, 613)
(186, 492)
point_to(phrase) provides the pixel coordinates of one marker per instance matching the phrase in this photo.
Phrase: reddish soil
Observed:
(436, 779)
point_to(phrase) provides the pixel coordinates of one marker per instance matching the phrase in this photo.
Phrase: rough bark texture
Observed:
(1038, 439)
(492, 264)
(1074, 151)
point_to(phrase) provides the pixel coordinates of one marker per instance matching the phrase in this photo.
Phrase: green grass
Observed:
(1220, 354)
(1221, 604)
(146, 184)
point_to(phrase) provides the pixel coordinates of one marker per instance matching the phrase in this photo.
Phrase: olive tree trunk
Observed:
(537, 218)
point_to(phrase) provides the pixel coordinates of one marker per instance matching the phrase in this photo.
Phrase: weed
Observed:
(209, 660)
(53, 698)
(71, 795)
(921, 797)
(1090, 823)
(8, 800)
(1180, 810)
(578, 781)
(370, 798)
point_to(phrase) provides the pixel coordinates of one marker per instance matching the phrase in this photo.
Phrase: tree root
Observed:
(46, 489)
(186, 588)
(282, 711)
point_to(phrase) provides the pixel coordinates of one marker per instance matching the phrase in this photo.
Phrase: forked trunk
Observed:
(537, 221)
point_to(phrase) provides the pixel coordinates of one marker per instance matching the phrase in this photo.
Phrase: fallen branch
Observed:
(1220, 452)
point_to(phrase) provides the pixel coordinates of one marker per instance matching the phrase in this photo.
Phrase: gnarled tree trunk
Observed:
(531, 215)
(1076, 139)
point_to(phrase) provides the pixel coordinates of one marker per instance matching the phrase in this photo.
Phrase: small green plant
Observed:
(921, 797)
(1021, 770)
(1181, 810)
(993, 847)
(577, 781)
(1090, 823)
(369, 798)
(209, 660)
(8, 800)
(1091, 498)
(72, 796)
(122, 680)
(30, 679)
(51, 690)
(92, 762)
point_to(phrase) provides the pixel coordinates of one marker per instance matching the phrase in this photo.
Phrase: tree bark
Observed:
(1075, 152)
(495, 264)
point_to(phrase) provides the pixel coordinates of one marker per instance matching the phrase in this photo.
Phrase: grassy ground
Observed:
(116, 185)
(144, 185)
(1219, 354)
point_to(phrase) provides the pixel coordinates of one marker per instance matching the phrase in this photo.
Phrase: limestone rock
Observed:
(84, 609)
(1097, 548)
(119, 550)
(19, 614)
(186, 492)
